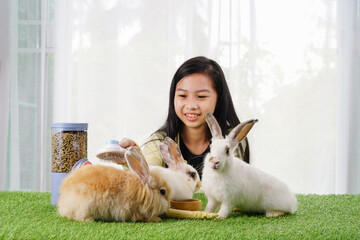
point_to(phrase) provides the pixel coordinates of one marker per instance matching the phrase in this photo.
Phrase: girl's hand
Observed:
(126, 143)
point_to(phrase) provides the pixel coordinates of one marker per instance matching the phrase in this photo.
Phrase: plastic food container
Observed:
(68, 145)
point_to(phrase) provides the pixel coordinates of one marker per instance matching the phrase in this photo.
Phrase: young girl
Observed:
(198, 87)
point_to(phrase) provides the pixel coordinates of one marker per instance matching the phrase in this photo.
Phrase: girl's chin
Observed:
(194, 124)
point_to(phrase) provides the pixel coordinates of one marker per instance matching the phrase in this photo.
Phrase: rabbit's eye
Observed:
(227, 151)
(192, 174)
(162, 192)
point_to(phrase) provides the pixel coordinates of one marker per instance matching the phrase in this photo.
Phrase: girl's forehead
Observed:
(195, 82)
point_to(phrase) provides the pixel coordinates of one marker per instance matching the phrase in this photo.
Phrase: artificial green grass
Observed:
(30, 215)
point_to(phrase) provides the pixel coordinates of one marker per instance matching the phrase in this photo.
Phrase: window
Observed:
(31, 88)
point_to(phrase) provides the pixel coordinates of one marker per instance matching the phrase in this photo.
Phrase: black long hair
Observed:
(224, 111)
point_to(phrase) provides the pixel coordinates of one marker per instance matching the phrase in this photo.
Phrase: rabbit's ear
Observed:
(137, 163)
(171, 154)
(214, 126)
(165, 153)
(241, 130)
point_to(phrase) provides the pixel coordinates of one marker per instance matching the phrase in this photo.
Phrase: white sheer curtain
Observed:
(114, 61)
(348, 95)
(4, 88)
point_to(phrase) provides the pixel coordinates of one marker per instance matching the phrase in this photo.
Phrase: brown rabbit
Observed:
(105, 193)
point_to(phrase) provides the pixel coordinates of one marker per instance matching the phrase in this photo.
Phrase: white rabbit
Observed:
(231, 182)
(183, 179)
(97, 192)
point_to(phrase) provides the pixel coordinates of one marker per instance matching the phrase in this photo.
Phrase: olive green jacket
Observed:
(152, 154)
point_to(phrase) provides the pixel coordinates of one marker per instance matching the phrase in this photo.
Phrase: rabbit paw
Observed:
(154, 219)
(84, 219)
(270, 214)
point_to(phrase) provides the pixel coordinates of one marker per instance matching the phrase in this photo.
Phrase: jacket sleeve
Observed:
(151, 151)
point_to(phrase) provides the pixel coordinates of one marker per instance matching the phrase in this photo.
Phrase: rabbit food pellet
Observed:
(67, 148)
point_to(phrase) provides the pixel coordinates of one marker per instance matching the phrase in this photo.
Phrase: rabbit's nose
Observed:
(214, 162)
(198, 185)
(215, 166)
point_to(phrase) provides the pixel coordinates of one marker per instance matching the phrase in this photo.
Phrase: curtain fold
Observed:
(4, 88)
(4, 91)
(348, 104)
(4, 120)
(5, 76)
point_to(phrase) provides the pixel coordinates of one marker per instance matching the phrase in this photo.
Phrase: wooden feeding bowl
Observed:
(189, 204)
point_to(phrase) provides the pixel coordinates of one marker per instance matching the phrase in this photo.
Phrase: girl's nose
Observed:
(192, 104)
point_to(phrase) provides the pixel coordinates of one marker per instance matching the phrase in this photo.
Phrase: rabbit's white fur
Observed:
(182, 179)
(232, 183)
(182, 186)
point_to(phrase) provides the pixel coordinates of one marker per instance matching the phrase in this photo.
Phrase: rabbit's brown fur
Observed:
(105, 193)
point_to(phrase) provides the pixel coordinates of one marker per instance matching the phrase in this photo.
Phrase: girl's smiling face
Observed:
(194, 97)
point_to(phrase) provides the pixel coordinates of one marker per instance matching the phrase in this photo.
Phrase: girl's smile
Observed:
(192, 116)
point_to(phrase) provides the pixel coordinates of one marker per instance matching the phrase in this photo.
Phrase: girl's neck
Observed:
(195, 139)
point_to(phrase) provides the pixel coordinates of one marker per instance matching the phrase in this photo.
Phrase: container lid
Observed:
(112, 142)
(79, 163)
(70, 126)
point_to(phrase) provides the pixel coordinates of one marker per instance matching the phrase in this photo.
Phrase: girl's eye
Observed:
(182, 96)
(202, 96)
